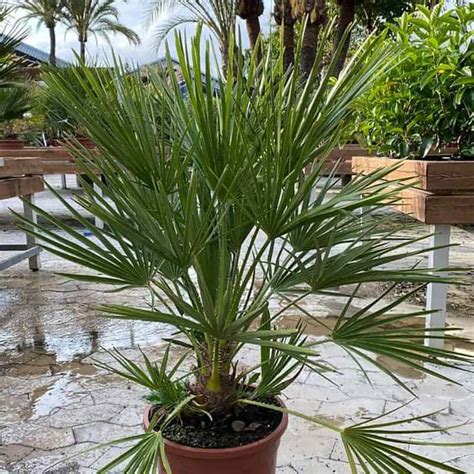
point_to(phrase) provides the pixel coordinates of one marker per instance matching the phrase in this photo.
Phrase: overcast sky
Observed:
(133, 15)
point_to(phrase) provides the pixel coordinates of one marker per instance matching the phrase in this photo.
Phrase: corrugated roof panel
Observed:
(35, 53)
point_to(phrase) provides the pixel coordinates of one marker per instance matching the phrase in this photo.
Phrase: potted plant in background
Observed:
(14, 104)
(426, 102)
(422, 110)
(60, 127)
(206, 207)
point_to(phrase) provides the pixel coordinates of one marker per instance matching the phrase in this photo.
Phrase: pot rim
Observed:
(224, 453)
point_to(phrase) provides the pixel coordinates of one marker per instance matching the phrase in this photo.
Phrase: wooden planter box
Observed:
(444, 193)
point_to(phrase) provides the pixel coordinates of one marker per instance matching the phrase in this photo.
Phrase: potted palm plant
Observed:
(422, 111)
(208, 208)
(14, 104)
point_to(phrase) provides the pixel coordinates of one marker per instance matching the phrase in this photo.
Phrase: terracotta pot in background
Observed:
(87, 142)
(11, 144)
(84, 141)
(259, 457)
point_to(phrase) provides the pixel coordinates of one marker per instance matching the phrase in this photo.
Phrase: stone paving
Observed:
(55, 404)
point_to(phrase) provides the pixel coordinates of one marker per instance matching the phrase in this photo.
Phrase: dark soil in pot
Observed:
(246, 424)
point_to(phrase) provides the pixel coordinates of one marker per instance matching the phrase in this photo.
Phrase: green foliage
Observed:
(47, 12)
(9, 67)
(207, 207)
(14, 103)
(373, 14)
(377, 447)
(428, 100)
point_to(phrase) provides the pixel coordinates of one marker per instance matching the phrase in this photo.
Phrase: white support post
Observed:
(437, 292)
(99, 223)
(30, 214)
(63, 181)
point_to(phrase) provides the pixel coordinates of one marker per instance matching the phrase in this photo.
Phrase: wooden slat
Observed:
(450, 176)
(20, 166)
(437, 209)
(434, 176)
(444, 191)
(37, 166)
(14, 187)
(33, 152)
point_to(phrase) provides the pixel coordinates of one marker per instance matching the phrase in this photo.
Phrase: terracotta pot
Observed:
(87, 142)
(11, 144)
(259, 457)
(84, 141)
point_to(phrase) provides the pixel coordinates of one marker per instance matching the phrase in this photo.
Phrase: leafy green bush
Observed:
(428, 99)
(14, 103)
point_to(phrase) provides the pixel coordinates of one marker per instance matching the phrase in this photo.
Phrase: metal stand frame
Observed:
(99, 223)
(29, 250)
(436, 295)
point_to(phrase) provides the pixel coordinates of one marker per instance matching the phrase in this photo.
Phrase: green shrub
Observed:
(427, 100)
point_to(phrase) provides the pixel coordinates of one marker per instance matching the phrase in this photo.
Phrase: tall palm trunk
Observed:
(82, 43)
(250, 11)
(284, 18)
(253, 30)
(309, 48)
(316, 19)
(225, 57)
(82, 52)
(346, 17)
(52, 44)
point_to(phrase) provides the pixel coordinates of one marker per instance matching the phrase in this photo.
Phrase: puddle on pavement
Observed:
(400, 369)
(320, 327)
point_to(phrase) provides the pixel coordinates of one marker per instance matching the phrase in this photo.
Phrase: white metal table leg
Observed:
(30, 214)
(99, 223)
(437, 292)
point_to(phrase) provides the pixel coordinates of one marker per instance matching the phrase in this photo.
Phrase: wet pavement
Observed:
(54, 403)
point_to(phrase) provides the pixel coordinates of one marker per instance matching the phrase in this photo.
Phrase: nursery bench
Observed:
(442, 197)
(21, 181)
(339, 162)
(46, 161)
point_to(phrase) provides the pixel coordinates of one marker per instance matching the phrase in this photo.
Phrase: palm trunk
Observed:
(346, 17)
(289, 45)
(309, 48)
(82, 52)
(283, 17)
(52, 45)
(225, 58)
(253, 30)
(250, 11)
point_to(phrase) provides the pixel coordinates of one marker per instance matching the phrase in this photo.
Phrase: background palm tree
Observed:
(47, 12)
(10, 38)
(217, 15)
(284, 18)
(95, 17)
(250, 11)
(347, 10)
(315, 13)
